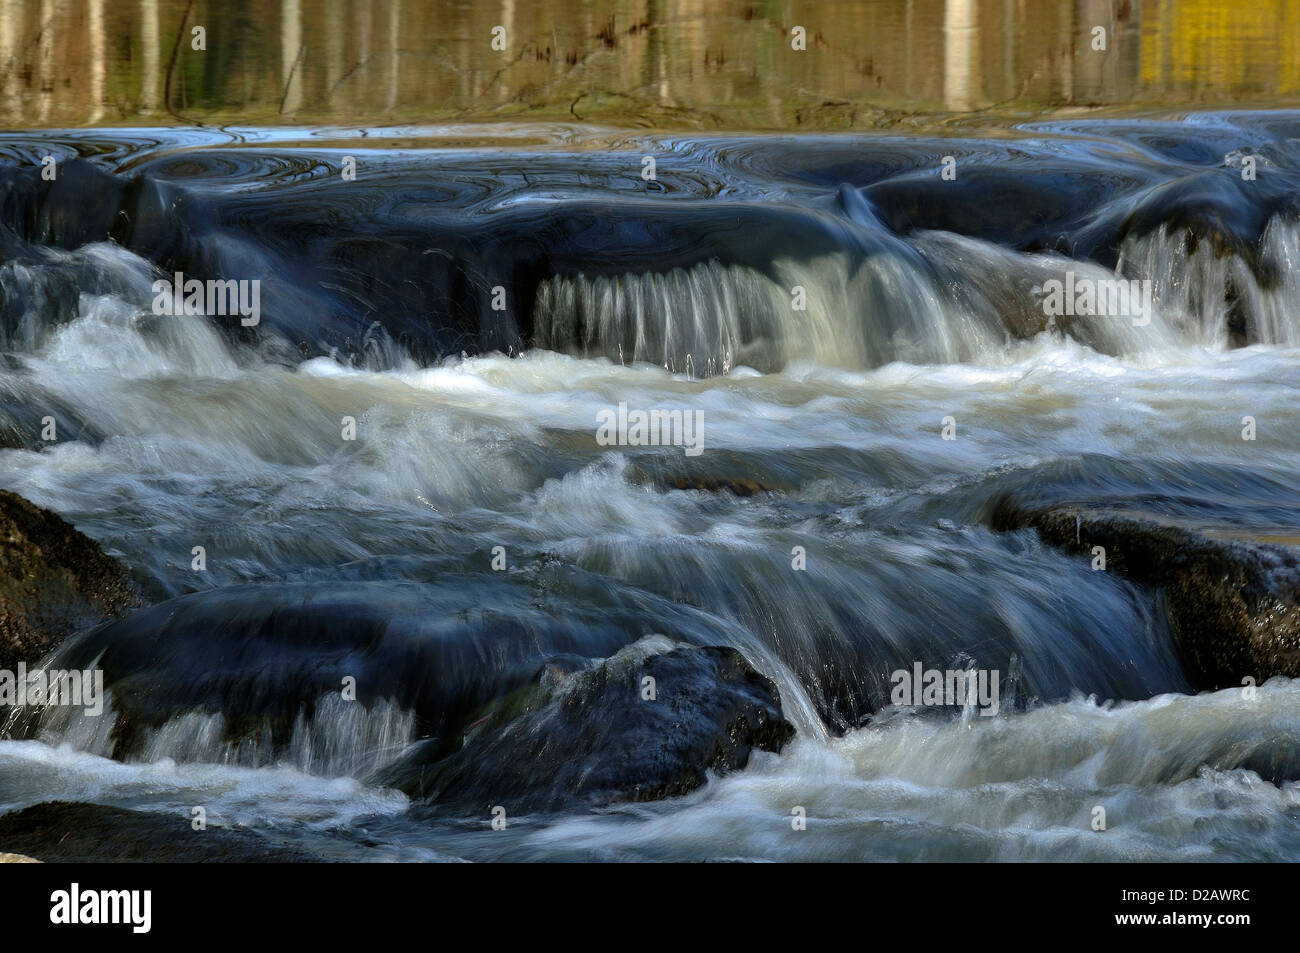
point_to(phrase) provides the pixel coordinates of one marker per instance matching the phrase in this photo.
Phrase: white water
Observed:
(208, 447)
(978, 296)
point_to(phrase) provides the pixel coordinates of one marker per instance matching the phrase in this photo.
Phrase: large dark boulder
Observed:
(73, 832)
(264, 656)
(53, 580)
(596, 735)
(1233, 601)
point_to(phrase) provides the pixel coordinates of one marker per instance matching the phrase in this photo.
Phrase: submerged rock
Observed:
(264, 657)
(646, 724)
(726, 473)
(52, 580)
(74, 832)
(25, 410)
(1233, 601)
(740, 486)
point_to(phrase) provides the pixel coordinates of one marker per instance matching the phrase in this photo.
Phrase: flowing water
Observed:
(477, 428)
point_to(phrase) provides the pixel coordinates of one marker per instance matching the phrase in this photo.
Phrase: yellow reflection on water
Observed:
(1204, 46)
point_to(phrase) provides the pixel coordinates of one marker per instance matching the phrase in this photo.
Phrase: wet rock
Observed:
(733, 474)
(597, 735)
(264, 656)
(53, 579)
(73, 832)
(1233, 601)
(740, 486)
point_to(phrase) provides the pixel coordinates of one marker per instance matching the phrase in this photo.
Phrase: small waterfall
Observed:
(340, 739)
(42, 288)
(711, 318)
(1218, 300)
(703, 321)
(947, 299)
(1000, 295)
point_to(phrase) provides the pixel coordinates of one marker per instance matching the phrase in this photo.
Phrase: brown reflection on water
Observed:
(689, 63)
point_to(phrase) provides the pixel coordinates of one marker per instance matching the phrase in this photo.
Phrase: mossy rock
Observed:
(52, 580)
(1233, 602)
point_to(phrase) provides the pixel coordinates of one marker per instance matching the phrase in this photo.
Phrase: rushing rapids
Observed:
(890, 398)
